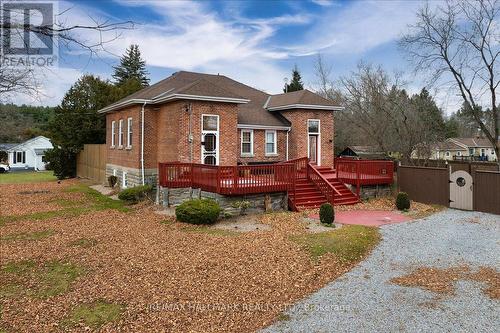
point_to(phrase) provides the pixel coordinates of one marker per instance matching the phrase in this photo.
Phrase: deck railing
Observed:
(322, 184)
(364, 172)
(228, 180)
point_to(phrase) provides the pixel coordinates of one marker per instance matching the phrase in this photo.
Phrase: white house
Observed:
(29, 154)
(474, 149)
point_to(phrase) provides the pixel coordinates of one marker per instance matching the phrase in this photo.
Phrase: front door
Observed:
(209, 149)
(210, 139)
(461, 190)
(313, 148)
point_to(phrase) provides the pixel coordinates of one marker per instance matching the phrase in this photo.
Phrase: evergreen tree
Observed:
(132, 67)
(296, 82)
(77, 122)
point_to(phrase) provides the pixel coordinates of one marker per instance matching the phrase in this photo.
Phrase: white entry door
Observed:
(210, 139)
(461, 190)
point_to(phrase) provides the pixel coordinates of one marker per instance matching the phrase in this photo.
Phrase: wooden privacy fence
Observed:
(427, 185)
(91, 162)
(431, 185)
(487, 191)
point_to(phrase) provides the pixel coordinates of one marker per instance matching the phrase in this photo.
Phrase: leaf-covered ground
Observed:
(74, 260)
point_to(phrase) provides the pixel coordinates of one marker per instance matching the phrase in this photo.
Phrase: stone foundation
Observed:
(372, 191)
(134, 177)
(231, 205)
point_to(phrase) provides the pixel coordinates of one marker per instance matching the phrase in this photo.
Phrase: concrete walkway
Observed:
(371, 218)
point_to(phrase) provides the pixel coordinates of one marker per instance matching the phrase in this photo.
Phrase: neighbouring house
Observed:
(29, 155)
(472, 149)
(364, 153)
(214, 120)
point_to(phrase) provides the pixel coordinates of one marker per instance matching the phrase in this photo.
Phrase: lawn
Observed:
(74, 259)
(20, 177)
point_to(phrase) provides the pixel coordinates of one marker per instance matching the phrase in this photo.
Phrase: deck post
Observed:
(235, 178)
(358, 181)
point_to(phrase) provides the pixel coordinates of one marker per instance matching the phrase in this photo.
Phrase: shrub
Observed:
(402, 201)
(62, 161)
(112, 180)
(326, 214)
(198, 211)
(135, 194)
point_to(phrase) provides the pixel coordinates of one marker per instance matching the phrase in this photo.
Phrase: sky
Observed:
(255, 42)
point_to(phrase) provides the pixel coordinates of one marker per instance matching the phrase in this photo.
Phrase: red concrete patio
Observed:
(371, 218)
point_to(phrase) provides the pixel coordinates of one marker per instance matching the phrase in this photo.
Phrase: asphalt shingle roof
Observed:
(251, 113)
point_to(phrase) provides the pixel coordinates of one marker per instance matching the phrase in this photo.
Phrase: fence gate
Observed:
(461, 190)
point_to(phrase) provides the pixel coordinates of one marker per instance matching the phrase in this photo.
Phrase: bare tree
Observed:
(459, 43)
(26, 79)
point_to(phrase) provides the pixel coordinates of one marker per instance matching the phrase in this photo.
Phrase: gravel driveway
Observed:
(364, 300)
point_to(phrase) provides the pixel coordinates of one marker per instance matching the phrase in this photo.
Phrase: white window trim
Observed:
(113, 133)
(447, 154)
(459, 153)
(318, 140)
(129, 132)
(275, 134)
(217, 135)
(120, 133)
(124, 179)
(251, 142)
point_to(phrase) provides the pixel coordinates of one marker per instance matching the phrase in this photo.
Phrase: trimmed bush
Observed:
(326, 214)
(134, 194)
(198, 211)
(402, 201)
(112, 180)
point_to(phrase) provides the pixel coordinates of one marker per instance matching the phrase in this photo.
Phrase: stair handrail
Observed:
(330, 195)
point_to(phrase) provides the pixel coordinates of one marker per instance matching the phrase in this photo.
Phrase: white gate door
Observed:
(461, 190)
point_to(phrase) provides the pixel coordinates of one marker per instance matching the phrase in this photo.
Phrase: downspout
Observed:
(142, 143)
(190, 134)
(288, 131)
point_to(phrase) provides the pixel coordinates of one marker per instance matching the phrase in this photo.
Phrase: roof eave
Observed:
(174, 97)
(306, 106)
(202, 98)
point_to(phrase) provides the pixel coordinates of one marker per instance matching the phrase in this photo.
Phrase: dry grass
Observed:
(442, 280)
(163, 276)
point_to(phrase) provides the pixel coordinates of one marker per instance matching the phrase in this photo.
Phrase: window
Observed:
(447, 154)
(483, 151)
(114, 172)
(246, 142)
(120, 133)
(313, 126)
(459, 153)
(492, 151)
(271, 142)
(210, 123)
(129, 133)
(43, 159)
(19, 157)
(124, 180)
(113, 123)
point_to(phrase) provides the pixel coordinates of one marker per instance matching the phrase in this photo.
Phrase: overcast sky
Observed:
(255, 42)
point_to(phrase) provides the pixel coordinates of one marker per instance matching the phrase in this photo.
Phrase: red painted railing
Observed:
(228, 180)
(322, 184)
(364, 172)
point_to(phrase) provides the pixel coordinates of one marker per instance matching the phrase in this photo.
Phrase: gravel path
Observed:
(364, 300)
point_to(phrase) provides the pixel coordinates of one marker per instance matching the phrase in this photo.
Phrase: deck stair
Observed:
(308, 196)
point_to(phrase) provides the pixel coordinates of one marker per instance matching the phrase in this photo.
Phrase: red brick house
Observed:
(212, 119)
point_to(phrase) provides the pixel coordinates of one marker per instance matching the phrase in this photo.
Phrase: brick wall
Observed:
(259, 146)
(228, 131)
(128, 157)
(298, 137)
